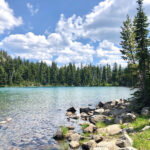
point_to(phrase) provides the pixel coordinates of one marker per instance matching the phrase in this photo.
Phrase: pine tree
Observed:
(128, 41)
(141, 37)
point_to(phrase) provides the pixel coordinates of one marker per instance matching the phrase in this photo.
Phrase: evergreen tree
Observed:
(128, 41)
(141, 37)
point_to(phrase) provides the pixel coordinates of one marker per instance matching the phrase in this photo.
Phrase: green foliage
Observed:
(141, 140)
(86, 135)
(83, 141)
(17, 72)
(139, 123)
(135, 49)
(64, 145)
(64, 130)
(85, 125)
(100, 125)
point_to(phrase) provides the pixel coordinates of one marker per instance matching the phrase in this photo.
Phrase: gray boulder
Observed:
(145, 111)
(97, 118)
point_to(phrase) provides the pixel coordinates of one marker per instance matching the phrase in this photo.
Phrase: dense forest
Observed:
(22, 72)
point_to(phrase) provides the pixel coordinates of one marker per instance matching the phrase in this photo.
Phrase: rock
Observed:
(127, 140)
(129, 117)
(84, 116)
(99, 111)
(74, 144)
(74, 116)
(111, 145)
(9, 119)
(70, 128)
(72, 109)
(128, 148)
(58, 135)
(69, 113)
(86, 110)
(89, 145)
(129, 130)
(97, 118)
(100, 104)
(91, 128)
(110, 130)
(118, 120)
(3, 122)
(106, 112)
(98, 138)
(145, 128)
(69, 133)
(120, 143)
(74, 137)
(145, 111)
(125, 118)
(100, 148)
(116, 112)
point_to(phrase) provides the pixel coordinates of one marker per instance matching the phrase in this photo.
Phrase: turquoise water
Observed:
(37, 112)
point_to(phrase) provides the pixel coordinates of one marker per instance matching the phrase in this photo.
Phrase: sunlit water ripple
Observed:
(37, 112)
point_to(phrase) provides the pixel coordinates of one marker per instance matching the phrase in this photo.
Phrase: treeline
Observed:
(22, 72)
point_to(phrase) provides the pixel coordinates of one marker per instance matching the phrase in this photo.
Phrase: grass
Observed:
(141, 141)
(83, 141)
(87, 134)
(64, 130)
(139, 123)
(64, 146)
(100, 125)
(85, 125)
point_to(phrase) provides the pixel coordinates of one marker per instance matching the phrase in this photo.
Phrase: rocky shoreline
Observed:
(104, 127)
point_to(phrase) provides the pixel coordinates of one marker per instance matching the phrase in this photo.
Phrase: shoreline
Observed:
(15, 86)
(111, 125)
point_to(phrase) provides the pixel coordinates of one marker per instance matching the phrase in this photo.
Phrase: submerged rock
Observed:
(58, 135)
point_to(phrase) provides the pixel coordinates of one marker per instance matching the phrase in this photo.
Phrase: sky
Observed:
(77, 31)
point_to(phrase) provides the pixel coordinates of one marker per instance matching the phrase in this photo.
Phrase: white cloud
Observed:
(32, 10)
(101, 25)
(109, 53)
(7, 18)
(39, 47)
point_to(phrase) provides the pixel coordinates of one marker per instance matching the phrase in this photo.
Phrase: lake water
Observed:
(37, 112)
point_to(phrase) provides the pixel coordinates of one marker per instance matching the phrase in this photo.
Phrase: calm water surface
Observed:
(38, 112)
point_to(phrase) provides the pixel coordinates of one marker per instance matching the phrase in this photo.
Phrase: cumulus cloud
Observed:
(32, 10)
(39, 47)
(109, 53)
(100, 26)
(7, 18)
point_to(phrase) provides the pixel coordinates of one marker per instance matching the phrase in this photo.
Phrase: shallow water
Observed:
(37, 112)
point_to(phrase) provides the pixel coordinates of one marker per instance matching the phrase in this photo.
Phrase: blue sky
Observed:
(86, 31)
